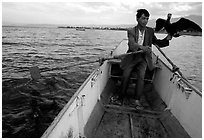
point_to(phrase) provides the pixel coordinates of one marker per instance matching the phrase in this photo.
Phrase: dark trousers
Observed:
(140, 66)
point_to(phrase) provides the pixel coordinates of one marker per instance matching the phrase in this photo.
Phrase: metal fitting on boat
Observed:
(82, 100)
(95, 77)
(187, 94)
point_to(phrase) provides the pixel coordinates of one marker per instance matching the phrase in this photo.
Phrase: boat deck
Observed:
(128, 122)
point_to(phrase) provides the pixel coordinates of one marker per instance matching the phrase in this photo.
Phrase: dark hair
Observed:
(142, 11)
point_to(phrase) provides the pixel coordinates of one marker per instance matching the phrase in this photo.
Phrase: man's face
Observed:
(143, 20)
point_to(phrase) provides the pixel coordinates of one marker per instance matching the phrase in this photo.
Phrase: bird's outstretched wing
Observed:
(185, 24)
(159, 24)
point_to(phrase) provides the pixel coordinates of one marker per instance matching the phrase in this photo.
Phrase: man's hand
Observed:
(168, 37)
(146, 48)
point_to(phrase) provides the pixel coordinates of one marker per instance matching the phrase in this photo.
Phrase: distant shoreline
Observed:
(125, 29)
(185, 33)
(94, 28)
(80, 28)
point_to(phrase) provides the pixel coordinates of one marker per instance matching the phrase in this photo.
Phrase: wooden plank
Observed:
(114, 125)
(153, 98)
(132, 109)
(145, 127)
(96, 115)
(131, 126)
(172, 126)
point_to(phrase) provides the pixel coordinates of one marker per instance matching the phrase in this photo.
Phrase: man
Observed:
(140, 37)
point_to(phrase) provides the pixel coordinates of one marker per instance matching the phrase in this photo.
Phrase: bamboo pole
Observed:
(100, 60)
(174, 67)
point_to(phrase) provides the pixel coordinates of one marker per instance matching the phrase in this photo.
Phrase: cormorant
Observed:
(174, 28)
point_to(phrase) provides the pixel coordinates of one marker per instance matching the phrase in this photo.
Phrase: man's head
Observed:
(142, 17)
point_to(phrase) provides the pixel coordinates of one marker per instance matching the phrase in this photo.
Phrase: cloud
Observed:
(92, 12)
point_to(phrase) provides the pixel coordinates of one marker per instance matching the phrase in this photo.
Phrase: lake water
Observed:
(48, 48)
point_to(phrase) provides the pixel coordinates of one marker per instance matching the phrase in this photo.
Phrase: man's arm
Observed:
(162, 43)
(133, 46)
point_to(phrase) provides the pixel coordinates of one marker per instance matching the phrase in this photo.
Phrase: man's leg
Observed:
(125, 81)
(141, 68)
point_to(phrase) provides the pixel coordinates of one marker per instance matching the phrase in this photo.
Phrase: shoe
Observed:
(137, 104)
(114, 98)
(139, 107)
(134, 102)
(118, 102)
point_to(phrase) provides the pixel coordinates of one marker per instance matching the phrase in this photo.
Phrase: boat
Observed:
(80, 29)
(172, 106)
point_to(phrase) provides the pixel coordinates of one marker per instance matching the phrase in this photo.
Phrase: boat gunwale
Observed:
(66, 107)
(197, 91)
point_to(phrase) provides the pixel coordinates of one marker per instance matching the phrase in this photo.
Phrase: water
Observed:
(24, 115)
(186, 53)
(29, 109)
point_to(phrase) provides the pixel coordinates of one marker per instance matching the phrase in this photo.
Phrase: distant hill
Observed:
(195, 18)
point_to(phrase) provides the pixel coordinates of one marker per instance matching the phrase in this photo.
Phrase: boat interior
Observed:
(125, 121)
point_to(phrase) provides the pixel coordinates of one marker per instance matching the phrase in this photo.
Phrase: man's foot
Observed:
(116, 100)
(139, 107)
(137, 104)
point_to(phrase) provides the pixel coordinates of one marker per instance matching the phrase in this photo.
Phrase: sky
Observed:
(88, 13)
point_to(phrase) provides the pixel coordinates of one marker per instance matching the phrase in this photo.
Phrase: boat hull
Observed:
(184, 102)
(72, 119)
(177, 107)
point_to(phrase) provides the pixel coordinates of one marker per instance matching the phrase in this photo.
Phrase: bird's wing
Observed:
(184, 24)
(160, 24)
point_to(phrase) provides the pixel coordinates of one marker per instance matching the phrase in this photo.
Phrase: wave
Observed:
(29, 109)
(67, 45)
(9, 43)
(15, 43)
(78, 58)
(99, 49)
(82, 44)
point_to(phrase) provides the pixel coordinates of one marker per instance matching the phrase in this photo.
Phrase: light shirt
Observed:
(141, 37)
